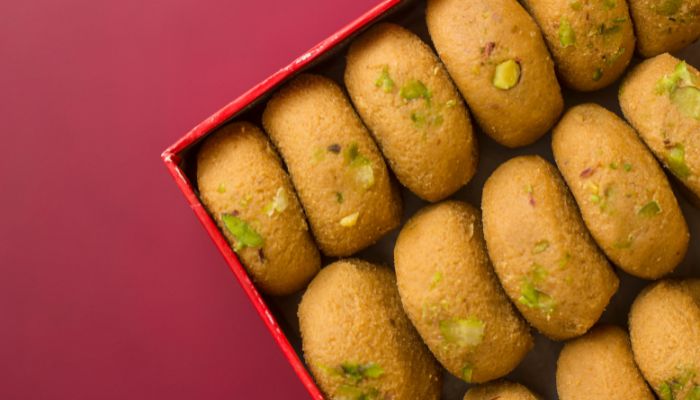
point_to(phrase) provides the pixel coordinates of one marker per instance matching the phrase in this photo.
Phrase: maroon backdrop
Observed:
(109, 288)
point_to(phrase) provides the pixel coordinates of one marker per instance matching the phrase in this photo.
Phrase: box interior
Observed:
(537, 371)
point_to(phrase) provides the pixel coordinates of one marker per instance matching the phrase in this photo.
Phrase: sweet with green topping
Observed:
(507, 75)
(467, 332)
(244, 234)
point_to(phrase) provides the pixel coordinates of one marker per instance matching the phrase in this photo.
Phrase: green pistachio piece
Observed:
(278, 204)
(680, 77)
(451, 103)
(372, 370)
(613, 165)
(650, 209)
(418, 119)
(597, 74)
(465, 332)
(349, 220)
(533, 298)
(627, 167)
(538, 273)
(609, 4)
(415, 89)
(339, 197)
(687, 99)
(384, 81)
(669, 7)
(595, 198)
(467, 373)
(576, 5)
(676, 162)
(244, 234)
(540, 246)
(507, 75)
(437, 277)
(567, 36)
(665, 391)
(364, 173)
(221, 188)
(694, 393)
(624, 243)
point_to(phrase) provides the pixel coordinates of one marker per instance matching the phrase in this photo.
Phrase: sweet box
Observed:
(537, 370)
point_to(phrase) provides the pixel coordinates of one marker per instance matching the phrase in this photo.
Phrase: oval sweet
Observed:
(452, 296)
(665, 25)
(404, 95)
(242, 184)
(665, 331)
(600, 366)
(624, 196)
(495, 53)
(543, 255)
(336, 168)
(501, 390)
(661, 100)
(357, 341)
(592, 42)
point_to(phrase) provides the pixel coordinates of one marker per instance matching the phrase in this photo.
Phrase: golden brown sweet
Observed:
(500, 390)
(495, 53)
(592, 41)
(661, 100)
(404, 95)
(543, 255)
(336, 168)
(242, 184)
(452, 296)
(665, 332)
(600, 366)
(357, 340)
(665, 25)
(624, 196)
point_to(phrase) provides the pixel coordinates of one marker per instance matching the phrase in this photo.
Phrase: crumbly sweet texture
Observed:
(592, 41)
(647, 101)
(543, 255)
(500, 390)
(263, 204)
(452, 296)
(357, 341)
(338, 171)
(622, 192)
(665, 25)
(665, 331)
(404, 95)
(498, 59)
(600, 366)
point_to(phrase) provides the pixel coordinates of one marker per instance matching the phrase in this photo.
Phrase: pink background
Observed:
(109, 288)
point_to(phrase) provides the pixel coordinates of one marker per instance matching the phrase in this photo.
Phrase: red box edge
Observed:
(172, 159)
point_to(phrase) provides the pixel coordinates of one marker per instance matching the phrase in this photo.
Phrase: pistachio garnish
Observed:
(507, 75)
(567, 36)
(244, 234)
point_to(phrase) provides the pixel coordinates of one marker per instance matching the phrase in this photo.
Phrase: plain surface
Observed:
(109, 287)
